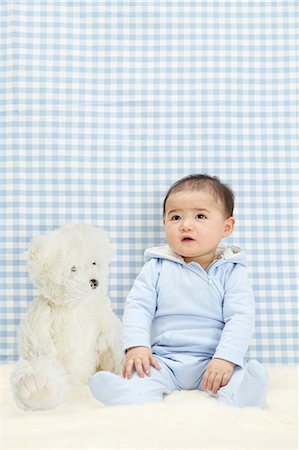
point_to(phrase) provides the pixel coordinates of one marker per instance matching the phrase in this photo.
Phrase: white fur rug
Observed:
(184, 420)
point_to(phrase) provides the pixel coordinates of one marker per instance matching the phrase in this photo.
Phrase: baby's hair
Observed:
(203, 182)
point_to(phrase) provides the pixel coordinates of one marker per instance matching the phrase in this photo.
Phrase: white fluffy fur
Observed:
(70, 330)
(184, 420)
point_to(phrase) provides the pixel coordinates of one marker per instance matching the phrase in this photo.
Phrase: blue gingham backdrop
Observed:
(106, 103)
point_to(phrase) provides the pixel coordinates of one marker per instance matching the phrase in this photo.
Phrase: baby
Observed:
(189, 316)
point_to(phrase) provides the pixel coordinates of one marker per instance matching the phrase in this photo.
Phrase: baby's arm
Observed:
(217, 374)
(238, 317)
(140, 308)
(140, 359)
(137, 320)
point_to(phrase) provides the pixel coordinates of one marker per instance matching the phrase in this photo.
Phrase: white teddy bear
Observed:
(70, 330)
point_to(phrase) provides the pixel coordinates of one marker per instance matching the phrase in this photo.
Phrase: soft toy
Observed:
(70, 330)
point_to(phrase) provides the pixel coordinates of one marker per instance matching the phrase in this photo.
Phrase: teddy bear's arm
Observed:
(34, 332)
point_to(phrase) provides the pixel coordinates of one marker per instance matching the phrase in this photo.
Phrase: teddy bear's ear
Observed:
(41, 250)
(110, 250)
(105, 247)
(101, 242)
(35, 258)
(33, 249)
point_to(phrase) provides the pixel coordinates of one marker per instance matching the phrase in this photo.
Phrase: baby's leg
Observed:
(247, 387)
(114, 390)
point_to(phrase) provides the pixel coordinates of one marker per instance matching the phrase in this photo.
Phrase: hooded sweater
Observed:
(178, 307)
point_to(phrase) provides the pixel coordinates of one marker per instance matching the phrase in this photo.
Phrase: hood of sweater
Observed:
(224, 253)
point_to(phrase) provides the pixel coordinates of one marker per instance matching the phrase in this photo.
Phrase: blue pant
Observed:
(247, 386)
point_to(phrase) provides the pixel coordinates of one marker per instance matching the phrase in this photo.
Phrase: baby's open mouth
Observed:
(187, 239)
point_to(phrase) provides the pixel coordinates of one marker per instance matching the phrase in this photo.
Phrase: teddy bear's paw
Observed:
(39, 392)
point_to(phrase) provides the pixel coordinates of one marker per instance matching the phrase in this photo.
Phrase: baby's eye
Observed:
(201, 216)
(74, 269)
(175, 217)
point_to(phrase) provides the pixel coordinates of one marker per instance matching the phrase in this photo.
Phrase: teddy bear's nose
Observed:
(94, 283)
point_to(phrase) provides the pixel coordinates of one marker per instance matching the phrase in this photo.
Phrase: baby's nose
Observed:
(186, 225)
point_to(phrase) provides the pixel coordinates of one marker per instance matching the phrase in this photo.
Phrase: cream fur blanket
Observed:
(184, 420)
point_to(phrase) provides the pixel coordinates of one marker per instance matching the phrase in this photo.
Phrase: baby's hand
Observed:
(217, 374)
(140, 359)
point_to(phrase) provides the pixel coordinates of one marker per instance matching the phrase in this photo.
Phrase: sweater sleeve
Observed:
(140, 307)
(238, 316)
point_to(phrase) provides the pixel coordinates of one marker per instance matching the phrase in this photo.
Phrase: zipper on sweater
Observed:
(210, 281)
(206, 276)
(200, 272)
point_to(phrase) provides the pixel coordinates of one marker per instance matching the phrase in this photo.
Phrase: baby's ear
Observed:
(229, 226)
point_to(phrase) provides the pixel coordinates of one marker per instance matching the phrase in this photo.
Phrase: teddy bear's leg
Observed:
(39, 384)
(106, 361)
(110, 350)
(118, 359)
(110, 354)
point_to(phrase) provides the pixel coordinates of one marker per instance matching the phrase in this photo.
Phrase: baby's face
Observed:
(194, 225)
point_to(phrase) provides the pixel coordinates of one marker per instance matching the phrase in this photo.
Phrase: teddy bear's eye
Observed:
(94, 264)
(74, 269)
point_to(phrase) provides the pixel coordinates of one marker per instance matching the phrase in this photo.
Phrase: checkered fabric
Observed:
(105, 103)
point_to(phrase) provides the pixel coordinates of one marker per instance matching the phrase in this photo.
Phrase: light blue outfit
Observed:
(188, 315)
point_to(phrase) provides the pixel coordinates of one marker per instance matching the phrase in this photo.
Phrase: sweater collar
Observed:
(229, 253)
